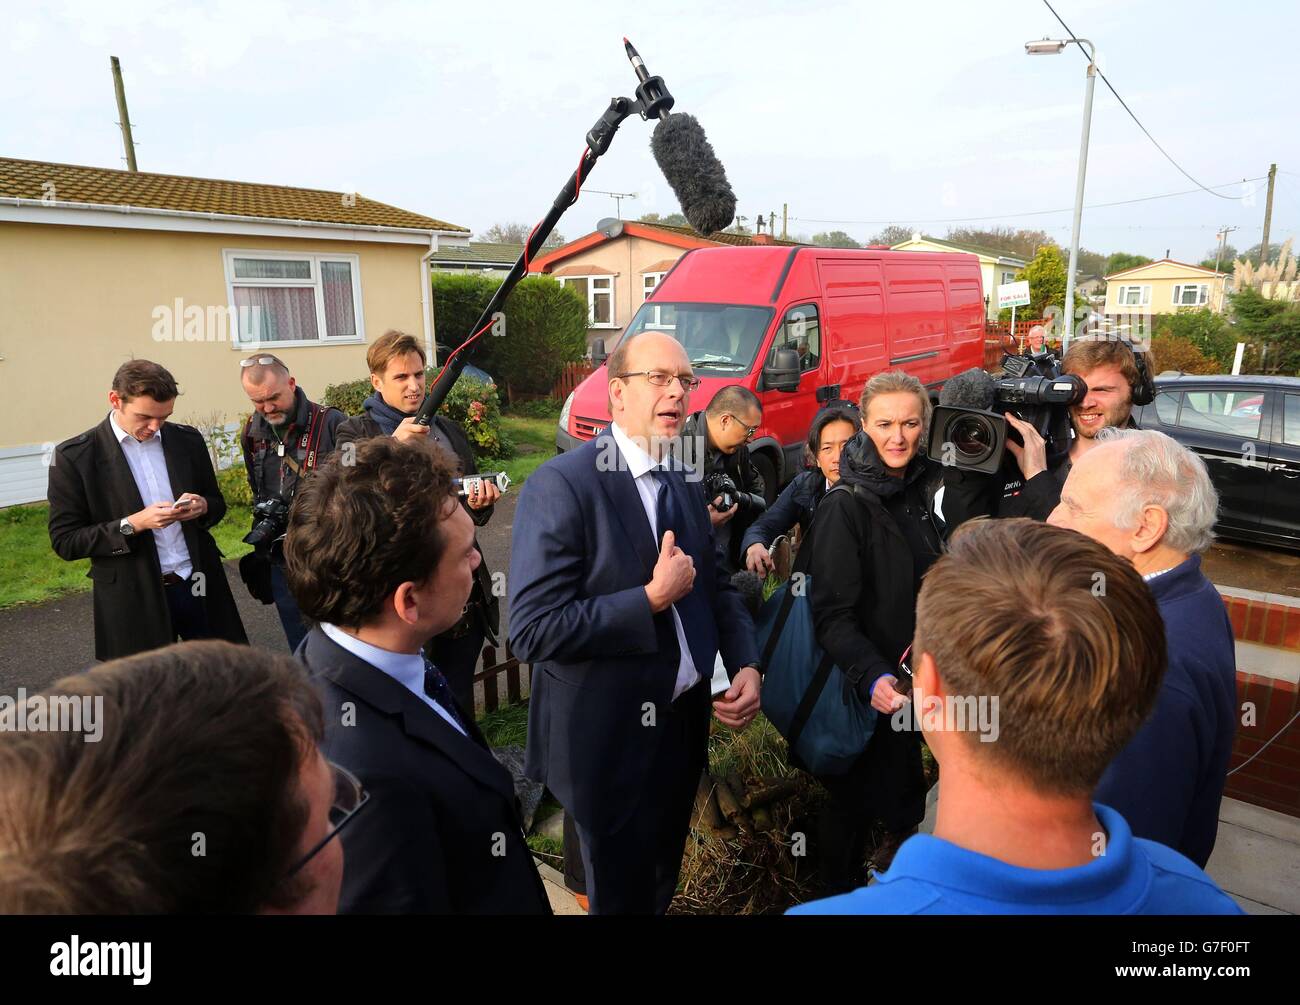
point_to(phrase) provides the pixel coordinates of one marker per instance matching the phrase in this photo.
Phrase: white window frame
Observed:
(1203, 297)
(591, 299)
(1008, 277)
(315, 258)
(658, 278)
(1144, 298)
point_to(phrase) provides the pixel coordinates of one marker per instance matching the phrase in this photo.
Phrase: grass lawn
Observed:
(30, 572)
(534, 443)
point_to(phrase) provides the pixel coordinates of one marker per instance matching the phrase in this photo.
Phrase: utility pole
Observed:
(125, 118)
(1268, 215)
(785, 219)
(1223, 240)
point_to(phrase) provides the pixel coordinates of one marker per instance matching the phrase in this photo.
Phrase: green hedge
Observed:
(546, 327)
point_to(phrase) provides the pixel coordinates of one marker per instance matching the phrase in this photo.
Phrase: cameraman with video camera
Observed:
(1054, 428)
(286, 437)
(732, 484)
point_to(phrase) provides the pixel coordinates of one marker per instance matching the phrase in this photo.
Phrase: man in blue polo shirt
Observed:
(1038, 655)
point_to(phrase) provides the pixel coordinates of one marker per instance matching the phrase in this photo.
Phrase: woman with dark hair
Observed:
(832, 427)
(871, 547)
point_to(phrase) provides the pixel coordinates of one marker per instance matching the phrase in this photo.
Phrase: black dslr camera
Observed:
(969, 430)
(270, 522)
(720, 484)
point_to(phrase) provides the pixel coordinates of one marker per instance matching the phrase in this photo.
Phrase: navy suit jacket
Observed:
(441, 833)
(581, 555)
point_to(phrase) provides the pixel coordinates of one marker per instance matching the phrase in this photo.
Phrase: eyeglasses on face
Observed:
(749, 430)
(349, 797)
(661, 378)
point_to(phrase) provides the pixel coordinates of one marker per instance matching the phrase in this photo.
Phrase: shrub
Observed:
(476, 407)
(347, 397)
(458, 300)
(1209, 333)
(1173, 353)
(233, 482)
(541, 408)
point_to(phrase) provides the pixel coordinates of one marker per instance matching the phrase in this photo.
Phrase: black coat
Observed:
(739, 467)
(870, 547)
(268, 473)
(482, 599)
(91, 489)
(441, 833)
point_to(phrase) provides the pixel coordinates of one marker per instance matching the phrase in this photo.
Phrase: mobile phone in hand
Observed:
(182, 504)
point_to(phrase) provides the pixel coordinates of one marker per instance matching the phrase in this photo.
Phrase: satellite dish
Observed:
(610, 226)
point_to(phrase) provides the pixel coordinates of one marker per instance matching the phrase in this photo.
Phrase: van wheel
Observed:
(766, 471)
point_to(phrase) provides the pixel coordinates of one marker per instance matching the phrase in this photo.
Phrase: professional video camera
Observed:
(721, 484)
(271, 521)
(969, 430)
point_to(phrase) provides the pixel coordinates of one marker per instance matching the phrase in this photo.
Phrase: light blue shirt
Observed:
(149, 469)
(640, 464)
(405, 668)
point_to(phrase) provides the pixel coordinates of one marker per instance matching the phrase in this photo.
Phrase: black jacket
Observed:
(739, 467)
(91, 489)
(269, 474)
(441, 833)
(795, 505)
(870, 547)
(482, 599)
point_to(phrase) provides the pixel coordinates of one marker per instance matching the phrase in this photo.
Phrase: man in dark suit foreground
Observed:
(137, 496)
(380, 554)
(617, 600)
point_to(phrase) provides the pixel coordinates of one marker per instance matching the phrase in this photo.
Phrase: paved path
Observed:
(40, 643)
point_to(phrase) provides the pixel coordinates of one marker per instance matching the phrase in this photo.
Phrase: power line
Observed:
(1144, 129)
(1012, 216)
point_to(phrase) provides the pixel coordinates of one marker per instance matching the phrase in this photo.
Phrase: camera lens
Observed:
(973, 436)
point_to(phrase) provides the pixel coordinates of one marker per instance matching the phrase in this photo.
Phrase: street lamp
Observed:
(1053, 47)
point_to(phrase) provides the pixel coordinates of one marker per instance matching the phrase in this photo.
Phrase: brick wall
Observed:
(1272, 780)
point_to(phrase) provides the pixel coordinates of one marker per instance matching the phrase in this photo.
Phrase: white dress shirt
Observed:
(405, 668)
(149, 469)
(640, 464)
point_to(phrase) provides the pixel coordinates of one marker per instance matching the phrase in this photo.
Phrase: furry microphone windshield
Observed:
(694, 173)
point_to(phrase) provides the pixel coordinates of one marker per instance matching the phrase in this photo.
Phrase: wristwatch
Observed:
(125, 527)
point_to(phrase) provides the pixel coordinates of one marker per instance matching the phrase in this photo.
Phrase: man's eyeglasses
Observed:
(349, 797)
(749, 430)
(660, 378)
(261, 361)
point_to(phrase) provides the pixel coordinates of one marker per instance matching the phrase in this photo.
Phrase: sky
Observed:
(923, 114)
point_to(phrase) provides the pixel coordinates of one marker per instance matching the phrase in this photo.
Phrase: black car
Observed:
(1247, 430)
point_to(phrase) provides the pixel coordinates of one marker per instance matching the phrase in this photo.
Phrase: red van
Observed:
(799, 327)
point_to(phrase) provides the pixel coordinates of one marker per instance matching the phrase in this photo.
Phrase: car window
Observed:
(801, 332)
(1167, 407)
(1291, 420)
(1232, 413)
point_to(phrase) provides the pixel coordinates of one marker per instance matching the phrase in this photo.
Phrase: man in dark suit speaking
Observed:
(380, 554)
(617, 600)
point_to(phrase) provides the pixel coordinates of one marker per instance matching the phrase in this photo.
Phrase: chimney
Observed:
(762, 238)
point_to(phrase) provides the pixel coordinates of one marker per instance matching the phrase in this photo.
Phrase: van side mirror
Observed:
(598, 353)
(783, 373)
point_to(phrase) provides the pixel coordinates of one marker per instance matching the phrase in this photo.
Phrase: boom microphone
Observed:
(694, 173)
(971, 388)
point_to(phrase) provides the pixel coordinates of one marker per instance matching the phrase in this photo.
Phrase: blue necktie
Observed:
(692, 609)
(437, 688)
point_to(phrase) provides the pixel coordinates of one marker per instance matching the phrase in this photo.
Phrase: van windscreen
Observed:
(721, 337)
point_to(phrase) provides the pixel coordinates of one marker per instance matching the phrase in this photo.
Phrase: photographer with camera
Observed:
(1109, 378)
(286, 437)
(732, 484)
(832, 427)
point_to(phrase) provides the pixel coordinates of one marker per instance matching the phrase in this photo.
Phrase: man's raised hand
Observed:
(674, 575)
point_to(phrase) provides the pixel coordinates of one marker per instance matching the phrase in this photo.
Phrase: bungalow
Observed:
(1166, 287)
(619, 264)
(996, 268)
(98, 266)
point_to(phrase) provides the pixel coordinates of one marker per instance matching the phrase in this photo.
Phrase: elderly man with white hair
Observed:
(1149, 499)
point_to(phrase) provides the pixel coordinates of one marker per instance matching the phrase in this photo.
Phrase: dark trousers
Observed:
(887, 783)
(285, 606)
(458, 661)
(575, 874)
(634, 869)
(189, 615)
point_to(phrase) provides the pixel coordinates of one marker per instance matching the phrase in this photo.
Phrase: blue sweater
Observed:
(932, 876)
(1168, 781)
(795, 505)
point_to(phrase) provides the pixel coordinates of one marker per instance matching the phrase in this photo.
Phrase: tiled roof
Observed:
(110, 187)
(480, 253)
(583, 270)
(718, 236)
(1197, 269)
(973, 249)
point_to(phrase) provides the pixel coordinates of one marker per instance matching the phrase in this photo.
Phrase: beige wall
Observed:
(76, 302)
(1162, 278)
(626, 257)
